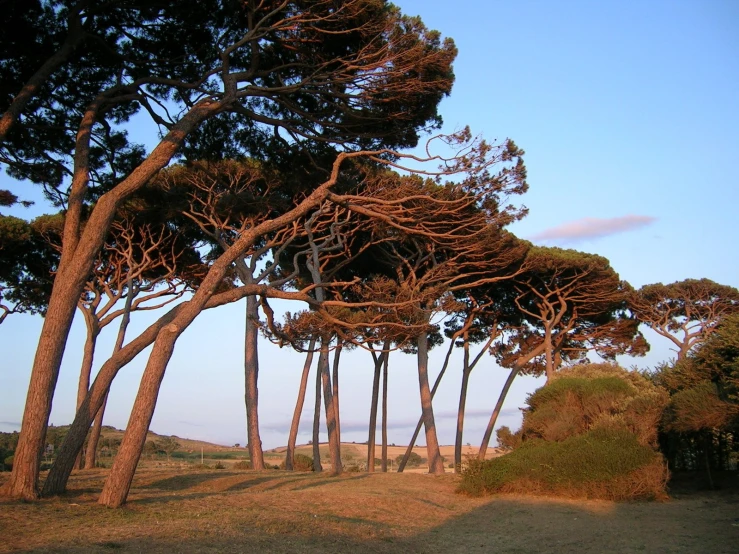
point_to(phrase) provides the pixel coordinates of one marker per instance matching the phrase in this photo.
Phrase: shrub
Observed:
(219, 465)
(301, 462)
(607, 463)
(353, 468)
(413, 460)
(8, 462)
(243, 464)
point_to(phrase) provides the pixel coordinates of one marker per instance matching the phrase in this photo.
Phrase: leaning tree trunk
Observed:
(548, 352)
(496, 412)
(119, 480)
(436, 464)
(373, 411)
(92, 443)
(290, 452)
(251, 373)
(384, 408)
(466, 370)
(317, 467)
(334, 448)
(412, 443)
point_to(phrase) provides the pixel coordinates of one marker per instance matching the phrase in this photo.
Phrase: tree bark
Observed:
(119, 480)
(317, 467)
(466, 370)
(548, 353)
(436, 465)
(496, 412)
(373, 412)
(93, 331)
(337, 357)
(411, 444)
(251, 372)
(290, 453)
(384, 407)
(334, 448)
(92, 443)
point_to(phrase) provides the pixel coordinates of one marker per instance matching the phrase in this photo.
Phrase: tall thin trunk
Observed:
(92, 443)
(97, 426)
(496, 412)
(251, 373)
(373, 411)
(317, 423)
(466, 370)
(337, 357)
(436, 465)
(384, 407)
(334, 448)
(93, 331)
(412, 443)
(290, 453)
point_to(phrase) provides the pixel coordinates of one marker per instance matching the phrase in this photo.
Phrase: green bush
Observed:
(8, 462)
(243, 464)
(301, 462)
(607, 463)
(414, 460)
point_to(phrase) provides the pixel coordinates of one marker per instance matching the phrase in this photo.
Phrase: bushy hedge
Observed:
(591, 432)
(602, 463)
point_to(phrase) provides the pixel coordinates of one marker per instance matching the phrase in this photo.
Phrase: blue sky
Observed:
(628, 113)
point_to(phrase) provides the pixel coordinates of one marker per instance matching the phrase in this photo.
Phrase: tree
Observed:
(685, 312)
(168, 445)
(259, 74)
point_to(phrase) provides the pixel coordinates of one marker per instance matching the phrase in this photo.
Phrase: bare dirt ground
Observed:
(181, 510)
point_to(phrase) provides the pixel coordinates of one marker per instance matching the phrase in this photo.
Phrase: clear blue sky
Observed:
(628, 112)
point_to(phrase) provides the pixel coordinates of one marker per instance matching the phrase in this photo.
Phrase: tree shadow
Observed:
(183, 482)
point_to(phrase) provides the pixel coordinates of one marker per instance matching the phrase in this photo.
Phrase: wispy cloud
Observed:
(594, 227)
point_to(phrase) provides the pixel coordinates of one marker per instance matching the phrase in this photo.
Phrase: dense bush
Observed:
(591, 432)
(243, 464)
(301, 462)
(602, 463)
(413, 460)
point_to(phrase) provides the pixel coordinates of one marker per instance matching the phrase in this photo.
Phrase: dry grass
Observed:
(276, 511)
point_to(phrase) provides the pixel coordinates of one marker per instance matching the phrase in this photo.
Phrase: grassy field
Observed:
(196, 510)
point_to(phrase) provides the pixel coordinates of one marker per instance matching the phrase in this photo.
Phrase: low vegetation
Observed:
(590, 433)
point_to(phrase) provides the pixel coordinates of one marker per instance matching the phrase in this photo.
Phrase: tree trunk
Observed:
(290, 453)
(373, 412)
(317, 467)
(548, 353)
(466, 370)
(494, 417)
(411, 444)
(251, 373)
(92, 443)
(119, 480)
(436, 465)
(334, 448)
(337, 357)
(93, 331)
(384, 407)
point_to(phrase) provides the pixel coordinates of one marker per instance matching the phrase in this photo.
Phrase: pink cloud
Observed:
(594, 227)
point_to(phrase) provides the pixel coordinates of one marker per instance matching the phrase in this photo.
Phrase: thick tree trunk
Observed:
(412, 443)
(317, 467)
(466, 370)
(92, 443)
(496, 412)
(384, 407)
(436, 465)
(290, 453)
(337, 357)
(373, 412)
(251, 373)
(334, 448)
(119, 480)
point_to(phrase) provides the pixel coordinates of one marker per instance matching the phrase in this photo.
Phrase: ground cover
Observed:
(199, 510)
